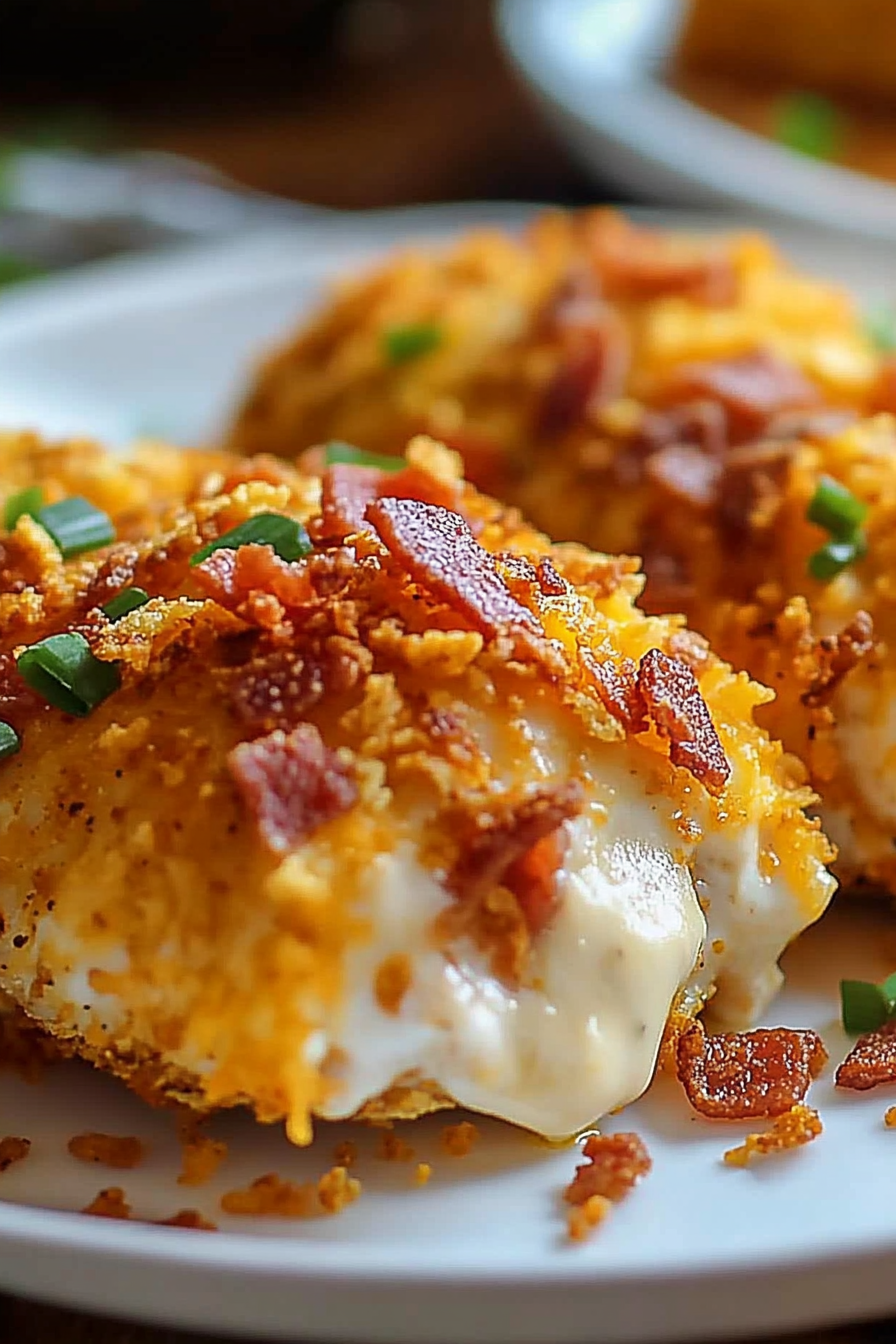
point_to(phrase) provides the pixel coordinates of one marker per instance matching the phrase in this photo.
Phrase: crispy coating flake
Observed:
(458, 1140)
(793, 1129)
(201, 1156)
(13, 1150)
(109, 1203)
(871, 1062)
(614, 1165)
(582, 1219)
(750, 1074)
(122, 1152)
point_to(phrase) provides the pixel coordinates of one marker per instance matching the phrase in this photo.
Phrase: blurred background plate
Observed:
(599, 69)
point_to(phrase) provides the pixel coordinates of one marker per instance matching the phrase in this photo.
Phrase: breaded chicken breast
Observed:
(676, 398)
(353, 795)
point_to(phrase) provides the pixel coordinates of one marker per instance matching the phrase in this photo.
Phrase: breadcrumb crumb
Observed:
(584, 1218)
(392, 1148)
(110, 1203)
(890, 1118)
(269, 1197)
(200, 1157)
(189, 1218)
(12, 1151)
(457, 1140)
(799, 1125)
(336, 1189)
(108, 1150)
(346, 1154)
(422, 1173)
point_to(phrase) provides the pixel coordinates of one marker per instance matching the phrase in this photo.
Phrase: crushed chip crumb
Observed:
(796, 1127)
(110, 1203)
(392, 1148)
(189, 1218)
(336, 1189)
(457, 1140)
(584, 1218)
(422, 1173)
(13, 1150)
(200, 1158)
(269, 1197)
(108, 1150)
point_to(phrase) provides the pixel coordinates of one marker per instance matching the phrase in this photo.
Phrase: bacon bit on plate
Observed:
(13, 1150)
(458, 1140)
(750, 1074)
(189, 1218)
(752, 388)
(201, 1156)
(617, 686)
(871, 1062)
(678, 712)
(440, 553)
(393, 1148)
(499, 840)
(614, 1165)
(836, 656)
(292, 783)
(269, 1197)
(108, 1150)
(109, 1203)
(798, 1126)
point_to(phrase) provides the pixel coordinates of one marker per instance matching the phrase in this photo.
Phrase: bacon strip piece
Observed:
(347, 490)
(439, 552)
(229, 576)
(871, 1062)
(748, 1075)
(277, 689)
(507, 847)
(752, 388)
(637, 263)
(617, 686)
(615, 1163)
(837, 655)
(292, 783)
(678, 712)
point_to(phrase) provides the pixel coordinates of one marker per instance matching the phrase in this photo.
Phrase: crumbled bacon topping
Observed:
(678, 712)
(634, 263)
(750, 1074)
(685, 473)
(277, 688)
(591, 372)
(533, 879)
(229, 577)
(440, 553)
(871, 1062)
(292, 783)
(498, 851)
(107, 1150)
(617, 686)
(614, 1165)
(752, 388)
(347, 490)
(836, 656)
(109, 1203)
(548, 580)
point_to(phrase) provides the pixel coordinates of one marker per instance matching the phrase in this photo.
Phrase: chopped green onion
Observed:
(129, 599)
(888, 989)
(403, 343)
(64, 671)
(338, 452)
(288, 538)
(880, 327)
(810, 125)
(10, 742)
(832, 558)
(13, 269)
(26, 501)
(836, 509)
(864, 1006)
(76, 526)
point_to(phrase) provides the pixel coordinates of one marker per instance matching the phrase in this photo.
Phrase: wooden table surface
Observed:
(406, 101)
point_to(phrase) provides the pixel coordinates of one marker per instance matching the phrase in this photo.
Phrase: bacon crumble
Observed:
(836, 656)
(107, 1150)
(617, 686)
(678, 712)
(750, 1074)
(292, 783)
(871, 1062)
(614, 1165)
(752, 388)
(347, 490)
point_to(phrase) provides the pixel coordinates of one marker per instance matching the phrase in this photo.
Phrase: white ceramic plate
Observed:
(478, 1254)
(595, 64)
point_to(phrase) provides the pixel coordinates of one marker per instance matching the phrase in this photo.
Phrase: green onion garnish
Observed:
(836, 509)
(64, 671)
(880, 327)
(129, 599)
(76, 526)
(865, 1006)
(404, 343)
(13, 269)
(288, 538)
(339, 452)
(10, 742)
(810, 125)
(831, 559)
(26, 501)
